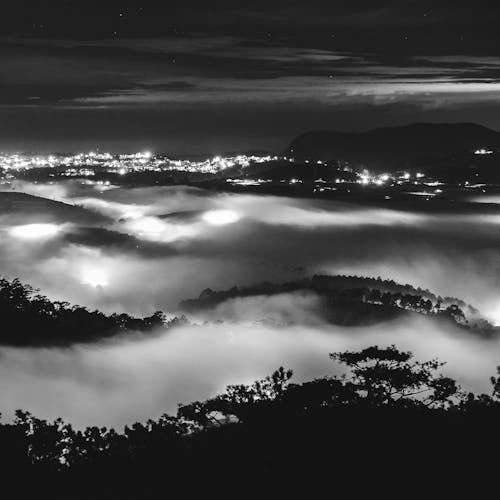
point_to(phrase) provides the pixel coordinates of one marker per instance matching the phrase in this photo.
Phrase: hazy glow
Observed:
(221, 217)
(34, 231)
(148, 226)
(154, 229)
(94, 276)
(113, 209)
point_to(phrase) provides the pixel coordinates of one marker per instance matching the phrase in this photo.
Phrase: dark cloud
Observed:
(168, 65)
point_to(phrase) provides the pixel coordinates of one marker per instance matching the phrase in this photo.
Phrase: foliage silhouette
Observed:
(31, 319)
(353, 300)
(387, 419)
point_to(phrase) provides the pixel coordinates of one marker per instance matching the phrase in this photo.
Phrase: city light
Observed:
(94, 276)
(231, 169)
(87, 164)
(221, 217)
(247, 182)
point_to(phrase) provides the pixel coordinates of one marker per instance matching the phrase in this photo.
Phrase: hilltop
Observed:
(353, 301)
(409, 145)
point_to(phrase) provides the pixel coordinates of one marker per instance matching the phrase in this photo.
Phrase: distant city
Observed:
(239, 172)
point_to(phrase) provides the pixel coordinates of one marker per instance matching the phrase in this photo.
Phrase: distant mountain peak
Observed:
(394, 145)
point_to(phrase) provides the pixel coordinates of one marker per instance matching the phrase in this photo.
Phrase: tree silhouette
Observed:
(389, 419)
(387, 376)
(29, 318)
(356, 300)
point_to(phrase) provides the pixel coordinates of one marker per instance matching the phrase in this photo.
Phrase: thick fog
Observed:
(144, 249)
(130, 380)
(138, 250)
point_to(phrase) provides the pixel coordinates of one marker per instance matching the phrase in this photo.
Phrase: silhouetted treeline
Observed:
(355, 300)
(29, 319)
(387, 425)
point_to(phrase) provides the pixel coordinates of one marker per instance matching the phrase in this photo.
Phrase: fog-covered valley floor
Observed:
(147, 249)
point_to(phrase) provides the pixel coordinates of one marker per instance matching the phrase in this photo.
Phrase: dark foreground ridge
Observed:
(390, 425)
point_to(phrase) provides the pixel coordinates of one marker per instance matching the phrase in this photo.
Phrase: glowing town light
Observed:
(147, 154)
(221, 217)
(154, 229)
(94, 276)
(148, 226)
(122, 171)
(34, 231)
(421, 193)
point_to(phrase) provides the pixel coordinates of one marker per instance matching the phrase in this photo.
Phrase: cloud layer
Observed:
(117, 384)
(139, 250)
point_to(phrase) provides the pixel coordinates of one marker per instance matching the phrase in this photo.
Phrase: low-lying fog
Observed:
(140, 250)
(133, 380)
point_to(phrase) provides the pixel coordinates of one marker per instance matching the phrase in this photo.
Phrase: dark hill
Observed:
(31, 319)
(22, 208)
(395, 147)
(354, 300)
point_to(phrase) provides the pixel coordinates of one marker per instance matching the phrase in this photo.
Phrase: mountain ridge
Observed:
(407, 145)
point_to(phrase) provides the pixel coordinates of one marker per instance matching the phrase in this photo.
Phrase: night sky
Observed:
(194, 77)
